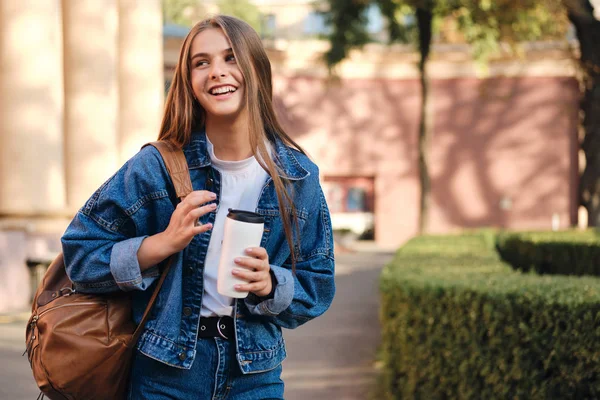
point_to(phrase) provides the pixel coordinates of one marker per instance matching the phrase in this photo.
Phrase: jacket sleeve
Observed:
(100, 245)
(308, 293)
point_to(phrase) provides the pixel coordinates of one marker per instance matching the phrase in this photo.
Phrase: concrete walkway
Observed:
(333, 356)
(330, 358)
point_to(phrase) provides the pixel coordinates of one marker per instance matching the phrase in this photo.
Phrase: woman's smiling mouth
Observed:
(222, 91)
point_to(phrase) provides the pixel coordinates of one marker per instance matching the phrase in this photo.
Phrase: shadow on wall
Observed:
(503, 151)
(354, 122)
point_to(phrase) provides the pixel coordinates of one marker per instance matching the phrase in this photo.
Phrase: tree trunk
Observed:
(581, 14)
(424, 21)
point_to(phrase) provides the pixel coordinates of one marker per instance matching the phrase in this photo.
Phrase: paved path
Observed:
(330, 358)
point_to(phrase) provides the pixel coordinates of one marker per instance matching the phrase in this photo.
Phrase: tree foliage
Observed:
(188, 12)
(242, 9)
(484, 24)
(587, 27)
(181, 12)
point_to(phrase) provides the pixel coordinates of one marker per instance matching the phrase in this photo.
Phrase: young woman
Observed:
(197, 343)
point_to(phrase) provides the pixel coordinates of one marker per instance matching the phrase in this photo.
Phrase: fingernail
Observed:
(249, 250)
(213, 205)
(213, 195)
(235, 271)
(209, 225)
(237, 287)
(237, 259)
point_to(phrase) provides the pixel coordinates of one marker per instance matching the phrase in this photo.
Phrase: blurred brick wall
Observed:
(503, 151)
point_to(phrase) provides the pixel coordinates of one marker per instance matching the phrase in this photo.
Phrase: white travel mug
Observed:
(242, 229)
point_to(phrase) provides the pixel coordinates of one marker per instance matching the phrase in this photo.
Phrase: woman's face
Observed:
(217, 81)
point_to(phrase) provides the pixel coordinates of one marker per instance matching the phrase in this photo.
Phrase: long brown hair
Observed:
(183, 114)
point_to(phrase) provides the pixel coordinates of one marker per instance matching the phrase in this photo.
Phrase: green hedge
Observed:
(557, 253)
(458, 323)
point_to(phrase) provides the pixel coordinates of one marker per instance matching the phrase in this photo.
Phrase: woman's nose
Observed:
(217, 71)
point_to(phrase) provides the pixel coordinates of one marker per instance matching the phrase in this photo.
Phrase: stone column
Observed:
(31, 108)
(91, 95)
(141, 81)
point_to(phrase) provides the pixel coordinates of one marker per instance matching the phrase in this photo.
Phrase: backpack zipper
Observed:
(36, 317)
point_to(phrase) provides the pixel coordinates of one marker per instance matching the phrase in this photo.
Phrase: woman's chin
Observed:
(224, 112)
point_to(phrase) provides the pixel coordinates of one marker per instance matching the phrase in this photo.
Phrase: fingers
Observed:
(202, 228)
(258, 252)
(254, 270)
(255, 287)
(200, 211)
(252, 263)
(196, 198)
(249, 276)
(190, 210)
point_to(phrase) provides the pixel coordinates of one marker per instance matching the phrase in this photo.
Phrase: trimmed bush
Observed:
(558, 253)
(458, 323)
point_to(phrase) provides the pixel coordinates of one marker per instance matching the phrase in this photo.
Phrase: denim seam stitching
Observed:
(154, 333)
(87, 208)
(301, 213)
(326, 221)
(297, 164)
(135, 281)
(161, 194)
(160, 360)
(277, 347)
(300, 317)
(102, 222)
(265, 310)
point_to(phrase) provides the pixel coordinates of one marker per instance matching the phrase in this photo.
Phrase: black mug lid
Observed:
(245, 216)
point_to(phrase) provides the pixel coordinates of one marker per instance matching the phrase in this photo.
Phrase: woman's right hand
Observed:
(183, 225)
(181, 230)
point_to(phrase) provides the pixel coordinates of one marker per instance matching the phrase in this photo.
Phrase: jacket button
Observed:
(187, 311)
(182, 356)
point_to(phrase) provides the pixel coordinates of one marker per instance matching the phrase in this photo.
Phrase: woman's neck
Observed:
(231, 141)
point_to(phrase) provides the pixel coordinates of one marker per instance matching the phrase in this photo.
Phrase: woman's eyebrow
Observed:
(199, 55)
(206, 55)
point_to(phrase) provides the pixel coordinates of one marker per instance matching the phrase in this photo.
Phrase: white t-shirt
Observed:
(247, 178)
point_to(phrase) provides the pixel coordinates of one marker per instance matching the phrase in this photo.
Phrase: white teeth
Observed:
(223, 89)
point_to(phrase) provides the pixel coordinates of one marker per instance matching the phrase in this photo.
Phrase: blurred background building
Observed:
(81, 89)
(82, 86)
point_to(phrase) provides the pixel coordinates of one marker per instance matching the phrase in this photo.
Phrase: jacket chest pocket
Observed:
(274, 239)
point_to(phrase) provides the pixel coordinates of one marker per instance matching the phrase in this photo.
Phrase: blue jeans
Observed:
(215, 375)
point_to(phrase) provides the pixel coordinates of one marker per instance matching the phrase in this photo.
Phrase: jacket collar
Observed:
(196, 153)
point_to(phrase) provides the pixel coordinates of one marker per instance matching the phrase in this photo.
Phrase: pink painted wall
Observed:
(509, 141)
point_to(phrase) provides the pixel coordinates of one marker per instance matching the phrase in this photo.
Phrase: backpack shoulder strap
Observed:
(180, 175)
(176, 165)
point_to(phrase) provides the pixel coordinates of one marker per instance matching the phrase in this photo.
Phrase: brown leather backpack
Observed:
(80, 345)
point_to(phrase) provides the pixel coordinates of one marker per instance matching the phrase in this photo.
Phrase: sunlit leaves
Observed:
(482, 23)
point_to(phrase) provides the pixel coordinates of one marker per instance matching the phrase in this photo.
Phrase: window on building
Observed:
(351, 203)
(349, 194)
(356, 200)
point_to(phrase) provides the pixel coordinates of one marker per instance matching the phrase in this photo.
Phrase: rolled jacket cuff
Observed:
(282, 297)
(125, 267)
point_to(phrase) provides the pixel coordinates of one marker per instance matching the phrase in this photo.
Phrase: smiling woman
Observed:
(198, 342)
(217, 81)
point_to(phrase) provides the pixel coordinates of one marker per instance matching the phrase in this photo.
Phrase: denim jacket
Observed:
(101, 243)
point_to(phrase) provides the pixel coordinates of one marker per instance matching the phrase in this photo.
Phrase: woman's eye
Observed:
(230, 58)
(201, 63)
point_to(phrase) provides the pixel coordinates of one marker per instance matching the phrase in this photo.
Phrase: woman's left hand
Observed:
(255, 269)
